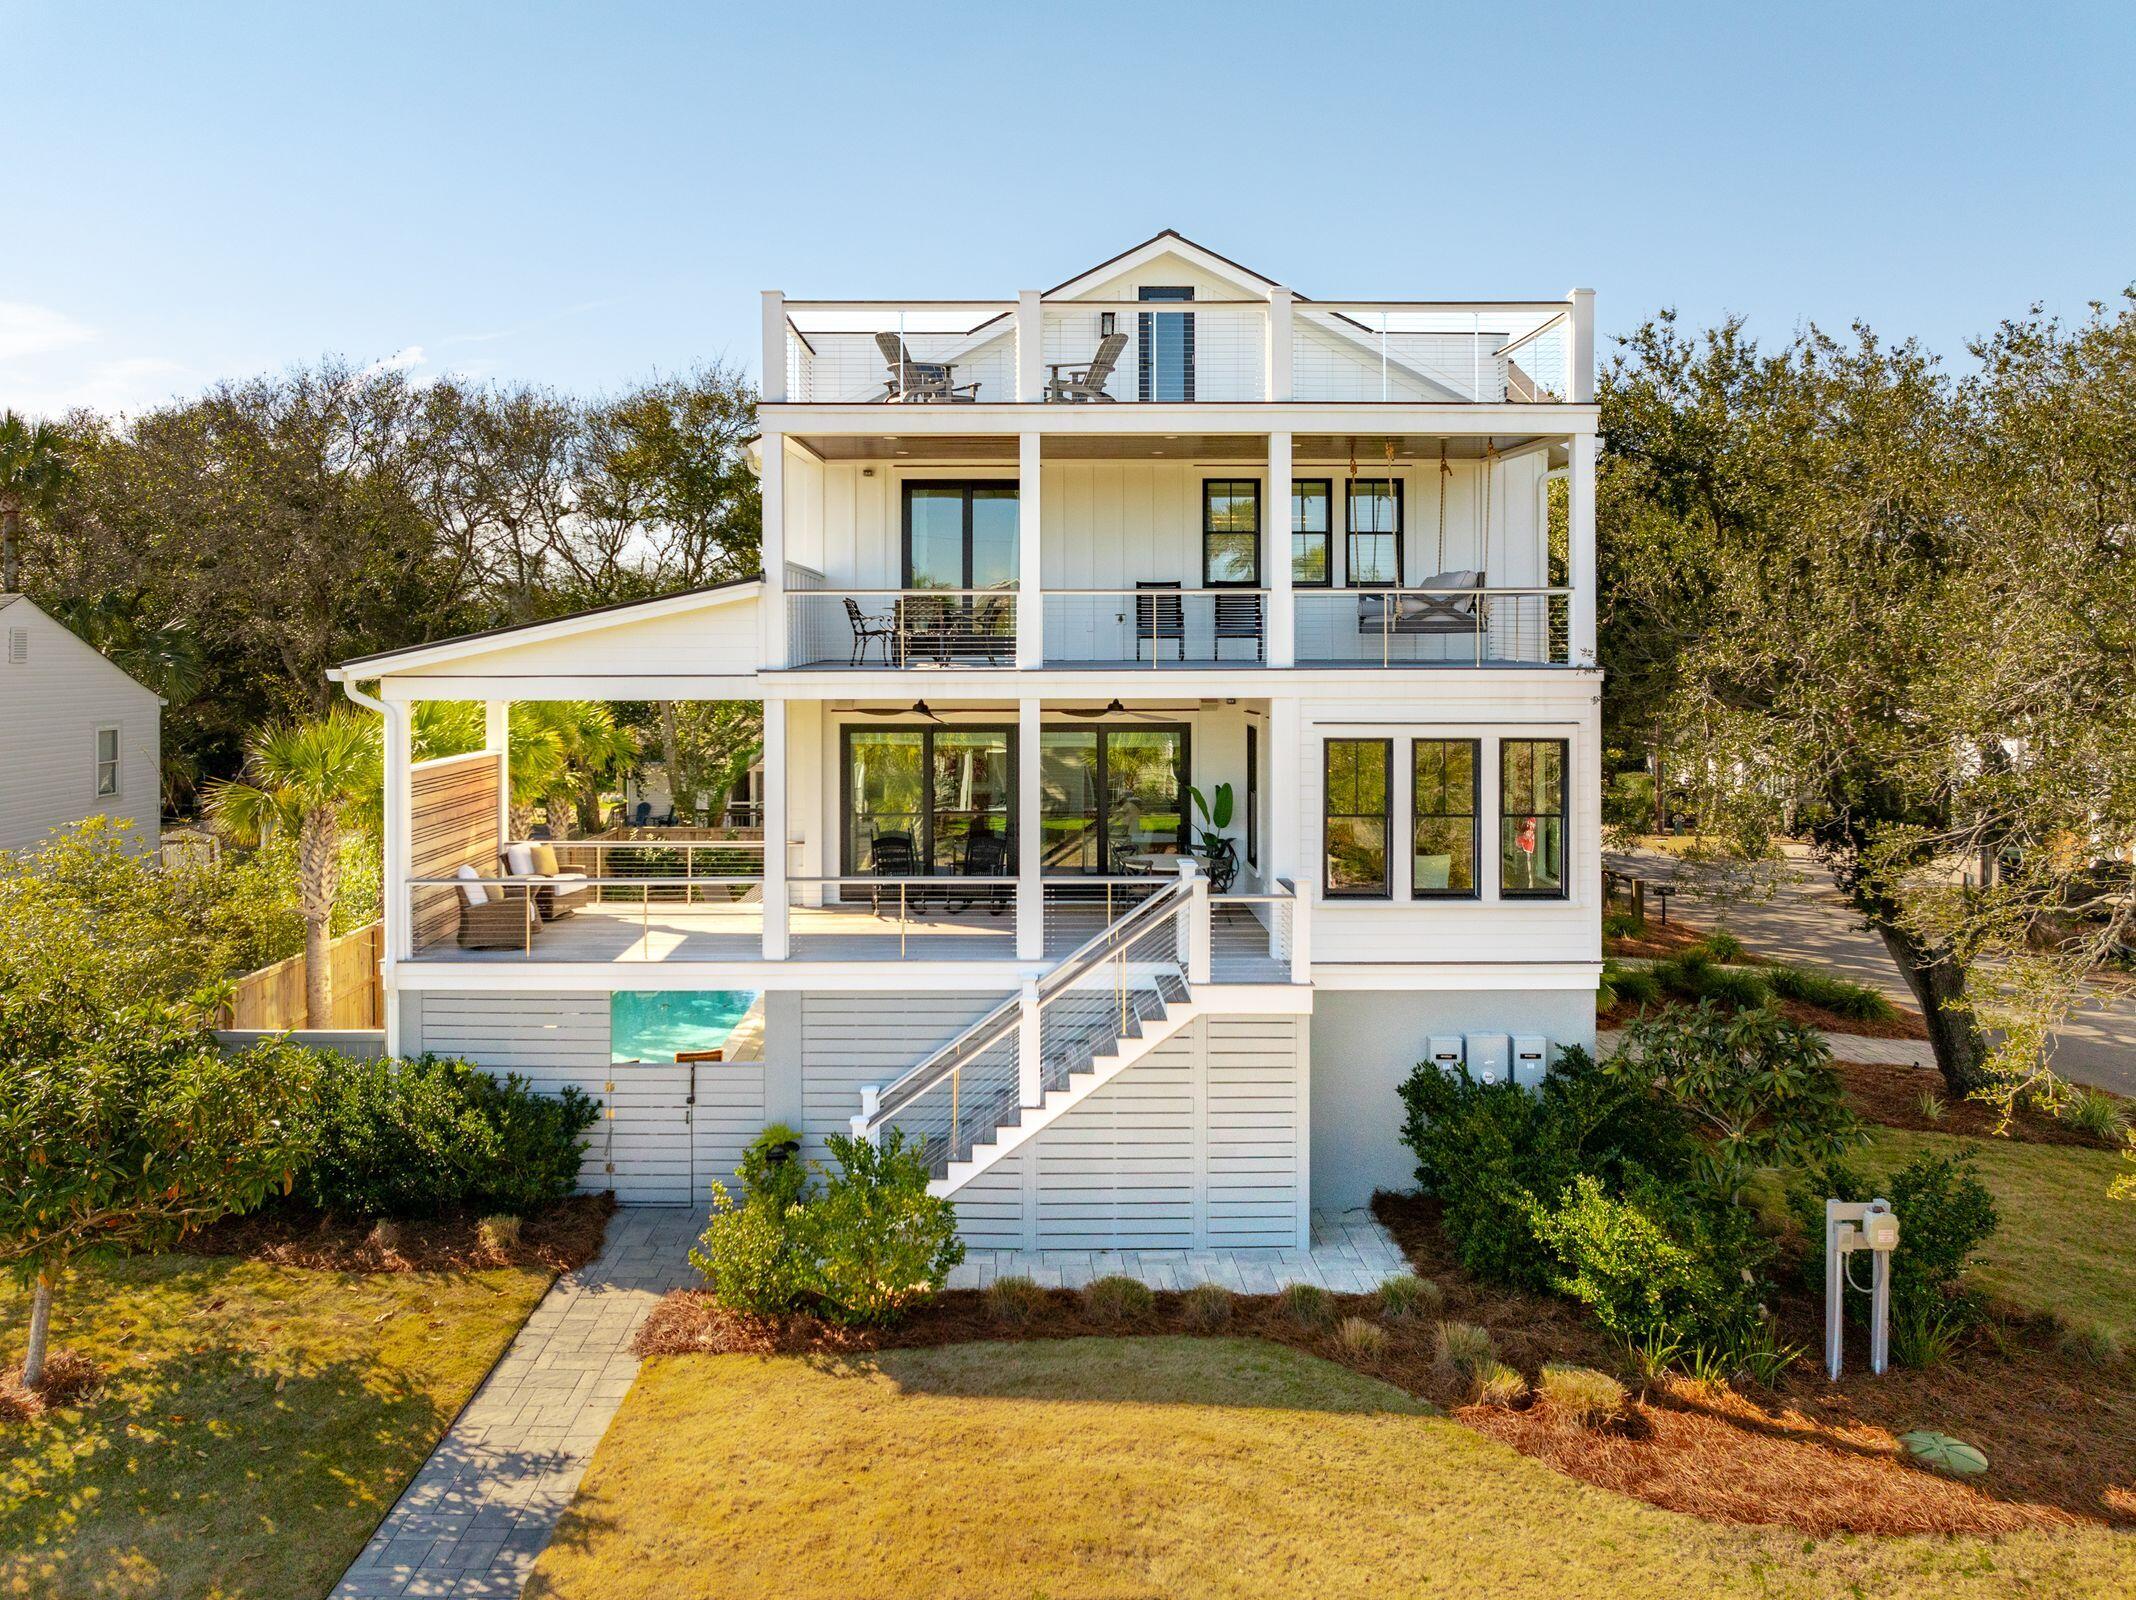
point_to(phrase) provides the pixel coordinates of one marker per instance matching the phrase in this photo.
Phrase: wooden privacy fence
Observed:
(272, 998)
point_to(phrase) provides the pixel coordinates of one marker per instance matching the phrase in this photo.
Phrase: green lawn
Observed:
(254, 1425)
(2063, 1245)
(1163, 1467)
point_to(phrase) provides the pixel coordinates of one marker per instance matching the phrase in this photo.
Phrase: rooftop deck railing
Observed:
(1092, 351)
(1433, 627)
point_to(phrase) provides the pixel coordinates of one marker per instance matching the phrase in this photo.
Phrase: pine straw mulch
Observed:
(1824, 1458)
(69, 1379)
(1820, 1458)
(1908, 1024)
(1892, 1097)
(557, 1238)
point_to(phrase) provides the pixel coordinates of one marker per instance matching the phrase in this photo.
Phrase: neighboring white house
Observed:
(1336, 555)
(78, 737)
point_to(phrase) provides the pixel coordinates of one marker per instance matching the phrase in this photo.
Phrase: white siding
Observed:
(52, 702)
(849, 1041)
(651, 1146)
(718, 639)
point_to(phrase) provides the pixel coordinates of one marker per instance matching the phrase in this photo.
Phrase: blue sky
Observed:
(580, 194)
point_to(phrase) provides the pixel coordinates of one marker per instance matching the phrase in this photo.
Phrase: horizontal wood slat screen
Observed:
(453, 818)
(273, 997)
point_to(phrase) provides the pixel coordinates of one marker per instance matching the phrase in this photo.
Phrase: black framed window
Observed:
(1253, 796)
(1164, 347)
(1108, 794)
(1531, 819)
(1231, 532)
(1373, 519)
(1312, 542)
(1354, 795)
(959, 535)
(923, 796)
(1442, 852)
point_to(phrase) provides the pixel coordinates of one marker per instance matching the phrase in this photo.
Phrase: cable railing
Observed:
(917, 907)
(685, 871)
(902, 628)
(518, 911)
(1433, 627)
(965, 1092)
(1156, 625)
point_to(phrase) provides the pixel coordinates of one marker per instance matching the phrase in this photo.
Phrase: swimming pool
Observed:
(656, 1025)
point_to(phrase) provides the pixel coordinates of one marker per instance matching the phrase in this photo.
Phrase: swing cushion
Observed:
(1459, 578)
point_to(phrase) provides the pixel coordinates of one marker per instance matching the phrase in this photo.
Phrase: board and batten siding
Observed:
(1200, 1144)
(55, 693)
(652, 1146)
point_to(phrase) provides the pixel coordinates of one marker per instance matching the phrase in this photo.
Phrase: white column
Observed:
(772, 381)
(1276, 556)
(1030, 590)
(772, 486)
(1286, 854)
(1276, 352)
(399, 827)
(1580, 548)
(1580, 348)
(1030, 888)
(497, 739)
(1030, 347)
(775, 830)
(805, 818)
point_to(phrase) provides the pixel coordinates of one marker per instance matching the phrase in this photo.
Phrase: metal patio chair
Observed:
(868, 630)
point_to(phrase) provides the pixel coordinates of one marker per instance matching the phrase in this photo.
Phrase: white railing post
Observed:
(771, 486)
(1029, 1083)
(1276, 548)
(1580, 551)
(1030, 569)
(1580, 348)
(1195, 920)
(771, 383)
(497, 740)
(1030, 346)
(1301, 940)
(1030, 858)
(1276, 362)
(774, 897)
(871, 1101)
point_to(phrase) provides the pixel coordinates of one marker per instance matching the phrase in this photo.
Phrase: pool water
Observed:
(657, 1025)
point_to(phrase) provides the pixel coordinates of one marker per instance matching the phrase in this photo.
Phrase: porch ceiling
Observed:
(921, 449)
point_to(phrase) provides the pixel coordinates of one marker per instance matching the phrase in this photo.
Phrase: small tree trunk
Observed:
(589, 806)
(1661, 804)
(671, 754)
(1937, 985)
(33, 1360)
(318, 877)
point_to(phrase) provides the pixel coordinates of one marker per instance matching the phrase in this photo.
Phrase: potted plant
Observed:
(1218, 856)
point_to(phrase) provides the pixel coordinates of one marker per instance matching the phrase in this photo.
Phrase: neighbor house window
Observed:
(1443, 827)
(1531, 822)
(1373, 516)
(107, 763)
(1354, 796)
(1310, 549)
(1231, 532)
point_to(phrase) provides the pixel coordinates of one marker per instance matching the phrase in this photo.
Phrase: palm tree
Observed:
(307, 777)
(33, 471)
(589, 749)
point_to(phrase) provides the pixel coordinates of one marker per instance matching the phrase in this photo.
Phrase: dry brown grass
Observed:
(556, 1238)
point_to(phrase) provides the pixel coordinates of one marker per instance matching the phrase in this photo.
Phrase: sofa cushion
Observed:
(519, 860)
(545, 860)
(473, 887)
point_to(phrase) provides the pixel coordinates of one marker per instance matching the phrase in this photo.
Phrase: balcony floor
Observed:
(680, 933)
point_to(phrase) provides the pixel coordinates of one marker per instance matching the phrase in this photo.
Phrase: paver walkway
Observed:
(482, 1508)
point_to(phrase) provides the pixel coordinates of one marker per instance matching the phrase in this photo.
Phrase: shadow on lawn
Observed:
(206, 1468)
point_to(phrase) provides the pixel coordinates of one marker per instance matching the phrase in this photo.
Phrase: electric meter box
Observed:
(1488, 1061)
(1531, 1059)
(1444, 1052)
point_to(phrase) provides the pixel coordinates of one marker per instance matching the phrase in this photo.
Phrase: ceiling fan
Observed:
(918, 708)
(1115, 709)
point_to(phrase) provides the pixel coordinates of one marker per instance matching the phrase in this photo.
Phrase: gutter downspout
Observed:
(394, 874)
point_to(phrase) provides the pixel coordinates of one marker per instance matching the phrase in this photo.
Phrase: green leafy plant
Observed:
(1581, 1394)
(1930, 1105)
(1759, 1087)
(1215, 810)
(1116, 1299)
(1923, 1336)
(2091, 1111)
(880, 1241)
(1621, 925)
(1855, 1001)
(1945, 1215)
(1720, 945)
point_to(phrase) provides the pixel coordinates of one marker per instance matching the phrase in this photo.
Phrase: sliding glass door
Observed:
(960, 536)
(1110, 798)
(929, 800)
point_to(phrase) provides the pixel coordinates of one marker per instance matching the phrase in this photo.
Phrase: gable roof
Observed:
(441, 650)
(73, 640)
(1157, 244)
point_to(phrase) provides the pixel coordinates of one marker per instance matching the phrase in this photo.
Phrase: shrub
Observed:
(1945, 1214)
(1496, 1384)
(1661, 1265)
(1761, 1088)
(879, 1240)
(1409, 1298)
(2100, 1115)
(1720, 945)
(1855, 1001)
(1930, 1105)
(1465, 1347)
(1362, 1337)
(1117, 1299)
(1924, 1337)
(1486, 1151)
(1582, 1394)
(860, 1249)
(1631, 985)
(1621, 925)
(414, 1138)
(499, 1234)
(1206, 1307)
(1308, 1305)
(1014, 1301)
